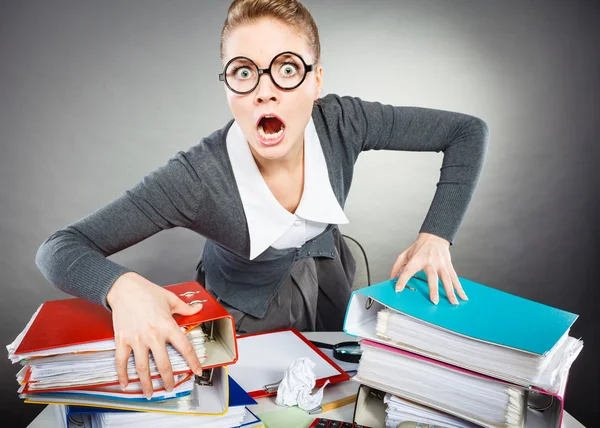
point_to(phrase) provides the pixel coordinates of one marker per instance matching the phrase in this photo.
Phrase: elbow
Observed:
(474, 135)
(45, 260)
(470, 133)
(481, 132)
(51, 261)
(40, 256)
(481, 129)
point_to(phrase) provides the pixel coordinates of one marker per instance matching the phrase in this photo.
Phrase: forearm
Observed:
(463, 161)
(74, 259)
(462, 138)
(77, 269)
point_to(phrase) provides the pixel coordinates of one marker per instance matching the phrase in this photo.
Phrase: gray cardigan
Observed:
(197, 190)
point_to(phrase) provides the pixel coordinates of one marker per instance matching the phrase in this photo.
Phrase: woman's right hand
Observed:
(143, 321)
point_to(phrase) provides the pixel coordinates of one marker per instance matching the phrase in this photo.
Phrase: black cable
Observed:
(364, 255)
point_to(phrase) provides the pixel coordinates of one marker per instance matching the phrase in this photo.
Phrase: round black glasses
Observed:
(287, 71)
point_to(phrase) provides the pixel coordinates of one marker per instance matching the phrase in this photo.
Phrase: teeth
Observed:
(266, 136)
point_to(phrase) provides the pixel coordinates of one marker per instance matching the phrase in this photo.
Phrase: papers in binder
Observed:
(76, 325)
(399, 410)
(543, 410)
(494, 333)
(99, 368)
(237, 415)
(183, 385)
(203, 400)
(473, 397)
(69, 344)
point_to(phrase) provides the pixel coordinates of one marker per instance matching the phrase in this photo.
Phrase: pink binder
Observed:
(545, 409)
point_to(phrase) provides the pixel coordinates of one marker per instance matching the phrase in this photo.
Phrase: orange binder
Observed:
(68, 322)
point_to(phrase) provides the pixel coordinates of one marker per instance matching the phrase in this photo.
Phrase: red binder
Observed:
(76, 321)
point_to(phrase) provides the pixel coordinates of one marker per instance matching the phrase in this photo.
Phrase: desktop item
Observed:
(204, 400)
(79, 334)
(470, 396)
(493, 333)
(264, 358)
(330, 423)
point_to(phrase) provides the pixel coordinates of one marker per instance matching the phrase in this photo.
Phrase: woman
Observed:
(267, 191)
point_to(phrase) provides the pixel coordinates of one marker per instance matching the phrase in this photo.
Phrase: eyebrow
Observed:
(244, 57)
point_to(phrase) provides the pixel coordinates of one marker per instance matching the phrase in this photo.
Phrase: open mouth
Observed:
(270, 129)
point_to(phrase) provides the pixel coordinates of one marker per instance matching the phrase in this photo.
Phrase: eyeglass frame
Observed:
(261, 71)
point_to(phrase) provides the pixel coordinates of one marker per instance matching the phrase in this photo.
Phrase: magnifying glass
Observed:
(344, 351)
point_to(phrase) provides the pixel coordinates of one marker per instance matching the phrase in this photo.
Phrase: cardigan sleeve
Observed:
(462, 138)
(74, 259)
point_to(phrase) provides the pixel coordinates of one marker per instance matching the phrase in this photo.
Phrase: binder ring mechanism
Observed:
(210, 335)
(206, 379)
(369, 301)
(191, 293)
(542, 408)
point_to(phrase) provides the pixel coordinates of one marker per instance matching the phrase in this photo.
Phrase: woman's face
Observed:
(261, 42)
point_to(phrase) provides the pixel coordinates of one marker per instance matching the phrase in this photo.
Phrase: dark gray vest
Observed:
(249, 285)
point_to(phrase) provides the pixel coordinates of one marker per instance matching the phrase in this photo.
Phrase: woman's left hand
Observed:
(431, 254)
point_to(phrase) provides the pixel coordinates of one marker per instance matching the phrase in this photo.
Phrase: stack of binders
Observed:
(496, 360)
(67, 353)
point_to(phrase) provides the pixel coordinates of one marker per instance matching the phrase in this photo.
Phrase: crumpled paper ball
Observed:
(297, 385)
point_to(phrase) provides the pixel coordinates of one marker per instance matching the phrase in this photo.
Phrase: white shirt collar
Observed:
(267, 219)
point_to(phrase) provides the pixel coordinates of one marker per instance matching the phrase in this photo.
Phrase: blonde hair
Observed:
(290, 12)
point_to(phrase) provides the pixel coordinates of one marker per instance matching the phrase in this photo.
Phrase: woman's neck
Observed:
(288, 164)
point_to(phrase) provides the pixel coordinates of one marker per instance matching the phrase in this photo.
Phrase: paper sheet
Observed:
(264, 358)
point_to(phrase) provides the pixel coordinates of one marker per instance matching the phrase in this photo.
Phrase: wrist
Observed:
(430, 237)
(118, 286)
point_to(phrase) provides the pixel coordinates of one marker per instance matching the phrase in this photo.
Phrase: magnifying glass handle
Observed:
(322, 345)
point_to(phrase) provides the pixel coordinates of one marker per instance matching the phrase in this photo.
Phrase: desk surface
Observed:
(49, 418)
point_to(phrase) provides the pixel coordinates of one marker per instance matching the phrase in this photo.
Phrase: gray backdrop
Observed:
(95, 94)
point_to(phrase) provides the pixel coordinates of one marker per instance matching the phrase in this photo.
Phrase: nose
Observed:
(266, 90)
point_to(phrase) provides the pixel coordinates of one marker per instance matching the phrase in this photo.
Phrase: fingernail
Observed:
(169, 388)
(198, 372)
(148, 395)
(454, 301)
(123, 385)
(435, 300)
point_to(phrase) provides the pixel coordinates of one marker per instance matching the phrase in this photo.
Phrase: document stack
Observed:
(67, 353)
(496, 360)
(399, 410)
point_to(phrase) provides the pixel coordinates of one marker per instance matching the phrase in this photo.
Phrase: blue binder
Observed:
(489, 315)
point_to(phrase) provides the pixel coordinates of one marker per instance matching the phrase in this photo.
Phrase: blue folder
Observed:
(489, 315)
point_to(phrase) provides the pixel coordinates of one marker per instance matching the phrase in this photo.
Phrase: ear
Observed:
(319, 81)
